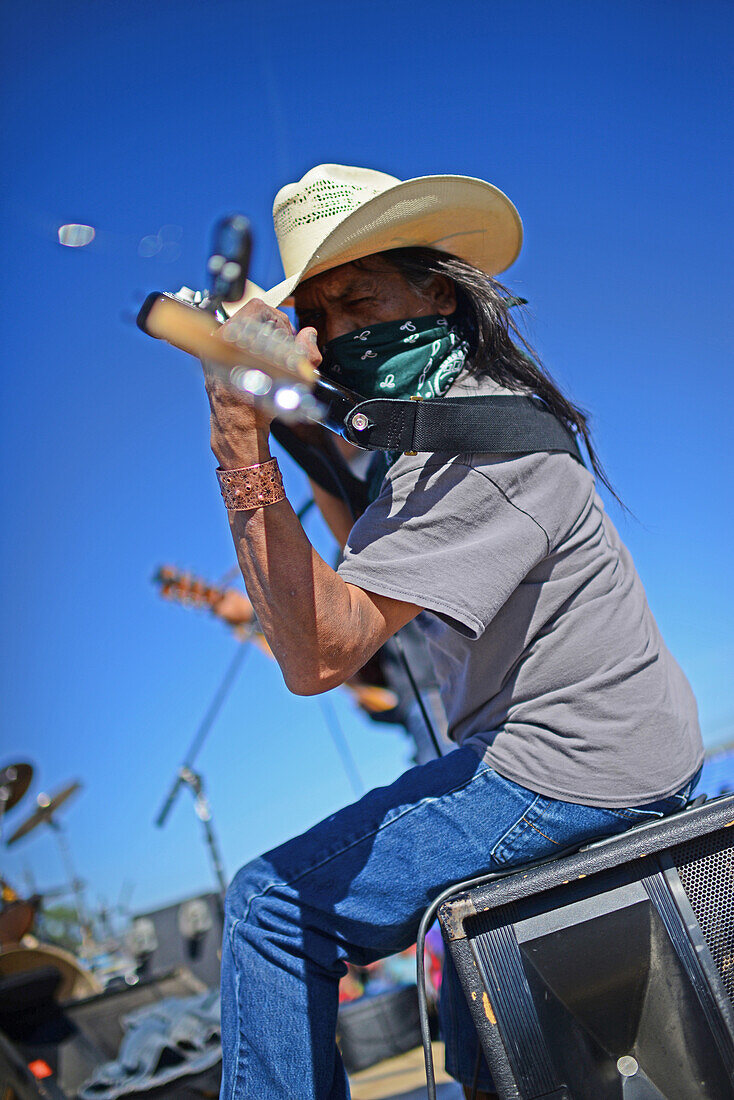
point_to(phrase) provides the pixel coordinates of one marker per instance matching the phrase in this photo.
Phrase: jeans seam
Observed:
(238, 1077)
(502, 840)
(630, 813)
(550, 838)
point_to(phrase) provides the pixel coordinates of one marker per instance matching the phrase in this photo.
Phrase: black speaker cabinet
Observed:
(608, 973)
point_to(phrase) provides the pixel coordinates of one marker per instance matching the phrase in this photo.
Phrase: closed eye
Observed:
(309, 318)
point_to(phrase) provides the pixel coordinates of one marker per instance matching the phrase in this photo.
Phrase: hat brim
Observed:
(467, 217)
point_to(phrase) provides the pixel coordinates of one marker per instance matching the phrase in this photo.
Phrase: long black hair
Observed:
(498, 349)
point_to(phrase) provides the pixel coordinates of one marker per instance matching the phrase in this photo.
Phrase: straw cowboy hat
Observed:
(336, 214)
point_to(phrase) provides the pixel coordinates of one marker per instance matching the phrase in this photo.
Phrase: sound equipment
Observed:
(608, 973)
(16, 920)
(74, 980)
(47, 813)
(371, 1029)
(187, 934)
(49, 1048)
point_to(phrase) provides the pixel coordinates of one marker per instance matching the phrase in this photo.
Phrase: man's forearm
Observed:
(321, 629)
(313, 624)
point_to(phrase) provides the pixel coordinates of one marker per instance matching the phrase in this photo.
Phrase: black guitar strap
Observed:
(503, 424)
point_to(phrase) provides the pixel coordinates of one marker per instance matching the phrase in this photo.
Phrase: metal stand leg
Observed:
(74, 881)
(194, 781)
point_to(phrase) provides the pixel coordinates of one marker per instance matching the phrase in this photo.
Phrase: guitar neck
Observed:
(251, 345)
(244, 348)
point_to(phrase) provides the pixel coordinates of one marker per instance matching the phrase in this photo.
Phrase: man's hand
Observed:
(239, 430)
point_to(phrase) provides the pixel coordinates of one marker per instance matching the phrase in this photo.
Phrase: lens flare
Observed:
(75, 236)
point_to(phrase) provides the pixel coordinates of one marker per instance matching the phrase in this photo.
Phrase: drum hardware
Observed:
(58, 891)
(46, 814)
(15, 780)
(16, 920)
(18, 914)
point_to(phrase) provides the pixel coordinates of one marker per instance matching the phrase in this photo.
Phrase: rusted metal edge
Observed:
(453, 913)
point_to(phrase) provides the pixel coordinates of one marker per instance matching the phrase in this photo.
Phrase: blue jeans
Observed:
(354, 888)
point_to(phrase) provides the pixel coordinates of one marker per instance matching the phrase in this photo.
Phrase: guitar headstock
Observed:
(186, 588)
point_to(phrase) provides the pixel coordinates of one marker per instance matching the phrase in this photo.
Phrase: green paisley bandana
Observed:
(420, 357)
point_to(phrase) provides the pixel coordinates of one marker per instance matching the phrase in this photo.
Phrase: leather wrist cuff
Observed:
(252, 486)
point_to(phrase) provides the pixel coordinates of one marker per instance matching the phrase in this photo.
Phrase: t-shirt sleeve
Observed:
(444, 536)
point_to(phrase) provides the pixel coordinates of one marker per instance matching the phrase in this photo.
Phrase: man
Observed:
(573, 719)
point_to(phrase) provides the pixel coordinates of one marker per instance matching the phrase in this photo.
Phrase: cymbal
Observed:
(15, 779)
(47, 807)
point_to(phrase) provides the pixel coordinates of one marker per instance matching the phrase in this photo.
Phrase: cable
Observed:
(305, 509)
(207, 722)
(342, 746)
(417, 692)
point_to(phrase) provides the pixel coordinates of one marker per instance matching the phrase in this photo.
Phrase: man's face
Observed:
(354, 296)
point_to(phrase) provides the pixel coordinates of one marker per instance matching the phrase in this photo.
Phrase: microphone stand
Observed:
(206, 724)
(194, 781)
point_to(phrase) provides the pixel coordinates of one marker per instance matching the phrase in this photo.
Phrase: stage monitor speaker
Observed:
(608, 973)
(187, 934)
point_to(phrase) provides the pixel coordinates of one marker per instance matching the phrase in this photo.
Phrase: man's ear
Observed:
(441, 292)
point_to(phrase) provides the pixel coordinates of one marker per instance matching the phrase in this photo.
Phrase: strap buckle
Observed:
(412, 454)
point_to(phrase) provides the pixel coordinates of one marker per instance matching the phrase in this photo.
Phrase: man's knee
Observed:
(251, 881)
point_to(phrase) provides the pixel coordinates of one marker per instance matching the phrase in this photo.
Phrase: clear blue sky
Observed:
(609, 125)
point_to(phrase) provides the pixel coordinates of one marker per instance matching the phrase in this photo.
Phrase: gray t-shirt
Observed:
(550, 662)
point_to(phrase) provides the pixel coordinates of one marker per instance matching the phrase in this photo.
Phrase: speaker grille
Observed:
(706, 869)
